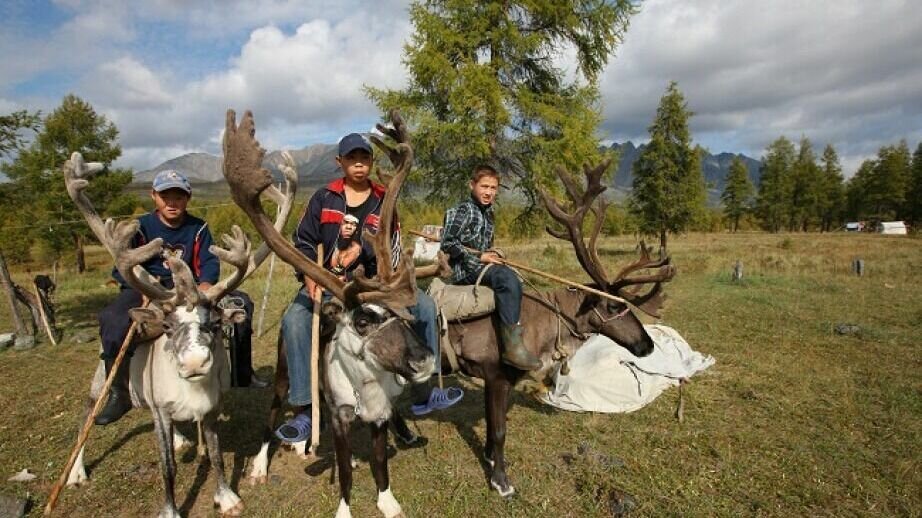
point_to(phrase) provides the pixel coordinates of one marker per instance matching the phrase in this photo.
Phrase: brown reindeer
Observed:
(558, 322)
(372, 352)
(179, 369)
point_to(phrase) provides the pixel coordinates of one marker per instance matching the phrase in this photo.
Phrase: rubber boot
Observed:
(514, 351)
(119, 402)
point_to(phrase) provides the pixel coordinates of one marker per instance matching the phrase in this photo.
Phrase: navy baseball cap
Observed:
(171, 179)
(352, 142)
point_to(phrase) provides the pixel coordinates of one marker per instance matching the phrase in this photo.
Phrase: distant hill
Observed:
(715, 169)
(316, 167)
(315, 164)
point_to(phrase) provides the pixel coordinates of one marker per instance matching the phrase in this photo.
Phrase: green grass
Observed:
(793, 420)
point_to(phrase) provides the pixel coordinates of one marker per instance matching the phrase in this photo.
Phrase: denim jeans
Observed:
(296, 331)
(507, 290)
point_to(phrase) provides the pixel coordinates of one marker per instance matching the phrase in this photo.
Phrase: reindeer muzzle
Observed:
(195, 363)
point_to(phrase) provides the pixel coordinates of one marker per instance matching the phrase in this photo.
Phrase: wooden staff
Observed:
(85, 431)
(315, 361)
(41, 312)
(551, 276)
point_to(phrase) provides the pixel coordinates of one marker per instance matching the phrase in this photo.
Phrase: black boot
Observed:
(514, 351)
(119, 402)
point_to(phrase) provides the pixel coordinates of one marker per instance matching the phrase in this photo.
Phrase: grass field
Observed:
(793, 420)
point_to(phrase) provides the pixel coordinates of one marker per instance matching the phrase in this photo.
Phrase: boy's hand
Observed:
(490, 258)
(311, 287)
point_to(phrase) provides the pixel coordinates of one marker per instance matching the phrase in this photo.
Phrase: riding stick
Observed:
(41, 312)
(87, 425)
(551, 276)
(315, 361)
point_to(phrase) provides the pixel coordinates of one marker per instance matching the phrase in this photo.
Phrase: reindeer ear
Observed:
(331, 312)
(233, 316)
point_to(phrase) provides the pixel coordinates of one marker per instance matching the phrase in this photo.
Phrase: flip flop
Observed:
(296, 429)
(438, 400)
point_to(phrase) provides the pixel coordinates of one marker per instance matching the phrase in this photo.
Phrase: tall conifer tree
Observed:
(914, 198)
(737, 195)
(668, 192)
(832, 191)
(483, 87)
(805, 188)
(775, 187)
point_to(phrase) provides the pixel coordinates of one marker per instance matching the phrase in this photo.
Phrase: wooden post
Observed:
(88, 424)
(315, 361)
(41, 312)
(262, 308)
(11, 297)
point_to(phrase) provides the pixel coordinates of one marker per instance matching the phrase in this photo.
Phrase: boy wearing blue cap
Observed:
(184, 236)
(331, 218)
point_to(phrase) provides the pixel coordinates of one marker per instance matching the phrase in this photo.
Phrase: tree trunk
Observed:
(81, 258)
(11, 296)
(662, 241)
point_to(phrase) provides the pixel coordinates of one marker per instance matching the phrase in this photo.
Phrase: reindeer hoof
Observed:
(230, 504)
(505, 490)
(237, 510)
(257, 481)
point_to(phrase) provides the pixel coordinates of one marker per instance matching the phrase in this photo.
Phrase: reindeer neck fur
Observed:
(358, 381)
(161, 386)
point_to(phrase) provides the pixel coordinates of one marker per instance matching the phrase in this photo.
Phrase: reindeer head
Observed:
(371, 324)
(190, 319)
(612, 318)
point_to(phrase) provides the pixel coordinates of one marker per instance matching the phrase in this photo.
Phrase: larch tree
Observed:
(832, 190)
(668, 190)
(14, 128)
(914, 198)
(36, 173)
(775, 186)
(886, 194)
(737, 195)
(805, 188)
(485, 84)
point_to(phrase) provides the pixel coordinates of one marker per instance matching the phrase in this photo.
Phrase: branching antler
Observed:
(652, 301)
(582, 202)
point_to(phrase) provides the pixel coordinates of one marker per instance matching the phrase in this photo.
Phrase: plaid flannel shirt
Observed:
(469, 224)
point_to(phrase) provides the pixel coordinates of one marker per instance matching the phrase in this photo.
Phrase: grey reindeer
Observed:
(179, 369)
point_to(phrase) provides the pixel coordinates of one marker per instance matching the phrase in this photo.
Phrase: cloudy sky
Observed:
(846, 72)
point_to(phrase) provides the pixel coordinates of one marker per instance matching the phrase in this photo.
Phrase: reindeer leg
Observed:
(77, 474)
(163, 428)
(259, 473)
(224, 496)
(387, 504)
(497, 404)
(343, 459)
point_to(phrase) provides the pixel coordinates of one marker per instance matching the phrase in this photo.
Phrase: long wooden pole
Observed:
(551, 276)
(88, 424)
(315, 361)
(41, 312)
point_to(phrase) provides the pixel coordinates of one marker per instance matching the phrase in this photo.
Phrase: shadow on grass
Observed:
(81, 310)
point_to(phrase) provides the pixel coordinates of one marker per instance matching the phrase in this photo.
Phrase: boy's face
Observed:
(356, 165)
(347, 229)
(484, 189)
(171, 204)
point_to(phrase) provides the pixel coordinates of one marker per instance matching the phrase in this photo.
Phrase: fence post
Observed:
(11, 296)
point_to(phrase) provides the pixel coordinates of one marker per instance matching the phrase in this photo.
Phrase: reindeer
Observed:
(179, 368)
(372, 351)
(557, 323)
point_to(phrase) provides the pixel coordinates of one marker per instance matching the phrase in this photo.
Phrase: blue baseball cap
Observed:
(171, 179)
(352, 142)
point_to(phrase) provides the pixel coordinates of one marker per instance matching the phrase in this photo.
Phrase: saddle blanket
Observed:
(605, 377)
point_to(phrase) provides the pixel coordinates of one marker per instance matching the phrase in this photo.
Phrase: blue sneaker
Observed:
(296, 429)
(438, 400)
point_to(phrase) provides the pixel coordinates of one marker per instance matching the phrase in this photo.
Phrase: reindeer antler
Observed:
(582, 202)
(652, 301)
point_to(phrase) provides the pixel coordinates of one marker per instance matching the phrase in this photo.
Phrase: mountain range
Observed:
(316, 166)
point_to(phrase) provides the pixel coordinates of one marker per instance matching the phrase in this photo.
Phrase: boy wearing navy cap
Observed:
(353, 200)
(184, 236)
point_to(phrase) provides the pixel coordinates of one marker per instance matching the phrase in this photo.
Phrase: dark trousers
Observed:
(114, 323)
(507, 290)
(241, 344)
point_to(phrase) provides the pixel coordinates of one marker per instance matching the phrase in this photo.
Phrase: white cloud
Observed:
(752, 71)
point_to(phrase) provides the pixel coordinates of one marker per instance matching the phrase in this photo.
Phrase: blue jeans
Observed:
(507, 291)
(296, 331)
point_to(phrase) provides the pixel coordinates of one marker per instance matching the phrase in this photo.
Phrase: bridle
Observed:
(616, 316)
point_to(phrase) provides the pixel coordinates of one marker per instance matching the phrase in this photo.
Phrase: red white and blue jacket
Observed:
(321, 223)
